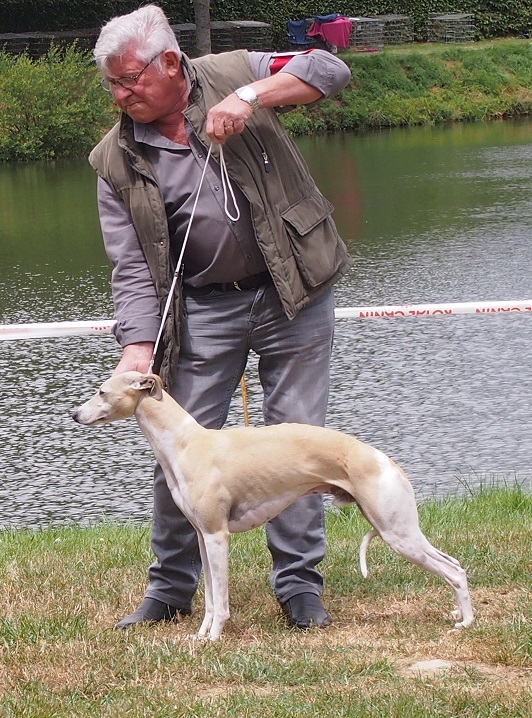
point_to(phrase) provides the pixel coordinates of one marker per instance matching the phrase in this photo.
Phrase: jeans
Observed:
(294, 357)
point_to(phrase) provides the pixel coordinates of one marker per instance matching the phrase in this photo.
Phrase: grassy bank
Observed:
(426, 84)
(63, 588)
(54, 107)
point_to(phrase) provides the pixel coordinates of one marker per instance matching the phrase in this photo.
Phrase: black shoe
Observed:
(305, 610)
(152, 611)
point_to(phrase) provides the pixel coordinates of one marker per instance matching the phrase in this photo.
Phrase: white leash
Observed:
(226, 185)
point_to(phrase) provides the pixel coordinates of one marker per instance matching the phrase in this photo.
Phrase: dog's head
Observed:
(118, 397)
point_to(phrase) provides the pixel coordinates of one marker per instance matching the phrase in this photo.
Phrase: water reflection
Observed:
(431, 214)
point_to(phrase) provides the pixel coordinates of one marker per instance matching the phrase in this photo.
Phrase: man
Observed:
(259, 283)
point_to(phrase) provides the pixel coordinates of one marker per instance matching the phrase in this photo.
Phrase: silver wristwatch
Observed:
(248, 94)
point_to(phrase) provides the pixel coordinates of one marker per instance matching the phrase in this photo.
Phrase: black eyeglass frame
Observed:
(132, 80)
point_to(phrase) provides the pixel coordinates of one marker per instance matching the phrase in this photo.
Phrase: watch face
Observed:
(247, 94)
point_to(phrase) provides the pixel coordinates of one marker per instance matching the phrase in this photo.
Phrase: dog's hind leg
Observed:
(414, 546)
(393, 514)
(215, 557)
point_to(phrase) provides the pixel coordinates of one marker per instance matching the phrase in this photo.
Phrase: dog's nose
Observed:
(75, 417)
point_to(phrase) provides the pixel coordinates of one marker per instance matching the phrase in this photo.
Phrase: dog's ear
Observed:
(156, 391)
(151, 383)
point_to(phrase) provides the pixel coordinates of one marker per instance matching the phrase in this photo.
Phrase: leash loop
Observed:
(226, 185)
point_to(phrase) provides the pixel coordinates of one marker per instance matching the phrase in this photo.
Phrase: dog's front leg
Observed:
(215, 556)
(209, 606)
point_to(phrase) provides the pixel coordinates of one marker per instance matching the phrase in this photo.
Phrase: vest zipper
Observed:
(264, 155)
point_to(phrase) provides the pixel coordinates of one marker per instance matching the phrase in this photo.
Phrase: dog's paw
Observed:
(460, 626)
(461, 621)
(456, 615)
(463, 624)
(201, 636)
(457, 628)
(196, 638)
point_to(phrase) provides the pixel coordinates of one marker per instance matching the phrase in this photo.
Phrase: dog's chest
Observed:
(246, 514)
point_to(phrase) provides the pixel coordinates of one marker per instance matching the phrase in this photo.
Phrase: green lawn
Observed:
(63, 589)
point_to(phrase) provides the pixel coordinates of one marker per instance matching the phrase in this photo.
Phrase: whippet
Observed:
(237, 479)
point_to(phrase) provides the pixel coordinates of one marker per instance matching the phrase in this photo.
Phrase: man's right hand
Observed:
(135, 357)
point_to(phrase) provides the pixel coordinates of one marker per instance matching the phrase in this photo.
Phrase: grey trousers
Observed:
(294, 358)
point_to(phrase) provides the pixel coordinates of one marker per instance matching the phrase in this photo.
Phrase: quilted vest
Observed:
(291, 218)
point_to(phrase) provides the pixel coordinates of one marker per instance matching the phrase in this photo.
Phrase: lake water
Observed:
(430, 214)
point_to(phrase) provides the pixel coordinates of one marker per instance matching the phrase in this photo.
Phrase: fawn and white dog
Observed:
(237, 479)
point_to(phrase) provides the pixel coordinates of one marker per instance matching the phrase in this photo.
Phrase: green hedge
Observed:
(493, 18)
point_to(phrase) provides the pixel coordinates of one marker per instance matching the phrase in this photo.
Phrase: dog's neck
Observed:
(158, 416)
(168, 429)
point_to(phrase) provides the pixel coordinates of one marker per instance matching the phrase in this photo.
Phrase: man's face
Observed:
(155, 94)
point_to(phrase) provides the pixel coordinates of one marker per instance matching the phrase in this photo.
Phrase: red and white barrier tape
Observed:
(433, 310)
(64, 329)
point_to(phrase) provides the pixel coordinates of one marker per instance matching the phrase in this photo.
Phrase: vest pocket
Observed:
(313, 238)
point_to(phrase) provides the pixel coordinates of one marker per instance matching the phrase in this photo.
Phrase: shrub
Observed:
(51, 107)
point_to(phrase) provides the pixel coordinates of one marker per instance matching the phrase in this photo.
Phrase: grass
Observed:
(64, 587)
(426, 84)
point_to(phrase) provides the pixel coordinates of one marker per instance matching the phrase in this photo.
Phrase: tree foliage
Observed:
(493, 18)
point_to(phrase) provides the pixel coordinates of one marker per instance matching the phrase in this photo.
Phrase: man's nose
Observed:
(119, 92)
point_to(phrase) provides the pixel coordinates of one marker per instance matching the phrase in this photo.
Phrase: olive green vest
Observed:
(291, 218)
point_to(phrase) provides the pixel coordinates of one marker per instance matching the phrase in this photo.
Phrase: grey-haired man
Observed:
(262, 283)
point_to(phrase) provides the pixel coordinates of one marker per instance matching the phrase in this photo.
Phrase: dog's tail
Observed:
(363, 548)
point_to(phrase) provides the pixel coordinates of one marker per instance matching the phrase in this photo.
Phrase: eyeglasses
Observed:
(126, 82)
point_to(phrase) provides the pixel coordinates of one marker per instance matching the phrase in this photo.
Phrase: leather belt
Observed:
(246, 284)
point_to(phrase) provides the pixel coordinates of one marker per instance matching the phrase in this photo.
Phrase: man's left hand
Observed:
(227, 118)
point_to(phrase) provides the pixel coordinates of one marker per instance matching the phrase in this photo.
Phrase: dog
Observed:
(237, 479)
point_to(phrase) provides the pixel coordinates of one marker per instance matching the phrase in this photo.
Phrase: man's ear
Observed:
(151, 383)
(171, 62)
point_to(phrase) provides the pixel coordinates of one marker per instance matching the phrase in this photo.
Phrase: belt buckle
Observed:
(237, 286)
